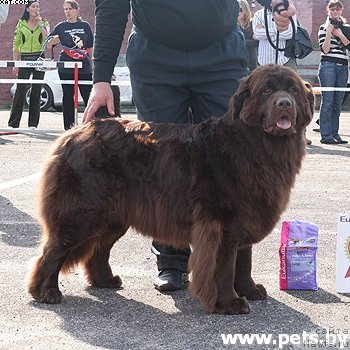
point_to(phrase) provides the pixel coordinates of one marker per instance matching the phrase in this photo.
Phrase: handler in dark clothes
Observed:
(186, 58)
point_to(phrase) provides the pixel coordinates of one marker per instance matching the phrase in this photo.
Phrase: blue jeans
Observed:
(331, 75)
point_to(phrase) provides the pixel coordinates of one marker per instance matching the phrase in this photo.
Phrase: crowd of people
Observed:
(75, 38)
(31, 39)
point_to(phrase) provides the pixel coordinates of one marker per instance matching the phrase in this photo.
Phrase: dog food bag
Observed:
(298, 255)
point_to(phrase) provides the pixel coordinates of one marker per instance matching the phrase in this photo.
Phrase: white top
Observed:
(266, 53)
(4, 11)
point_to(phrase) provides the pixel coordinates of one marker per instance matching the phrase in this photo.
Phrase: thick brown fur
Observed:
(220, 186)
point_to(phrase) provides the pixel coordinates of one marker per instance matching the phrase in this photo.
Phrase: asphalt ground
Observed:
(138, 316)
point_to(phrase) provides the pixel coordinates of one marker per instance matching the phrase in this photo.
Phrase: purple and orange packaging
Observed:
(298, 252)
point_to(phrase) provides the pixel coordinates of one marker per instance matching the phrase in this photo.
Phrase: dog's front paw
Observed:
(254, 292)
(235, 307)
(48, 296)
(114, 283)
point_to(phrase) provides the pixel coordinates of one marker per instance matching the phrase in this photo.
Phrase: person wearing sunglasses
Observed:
(30, 34)
(332, 72)
(76, 39)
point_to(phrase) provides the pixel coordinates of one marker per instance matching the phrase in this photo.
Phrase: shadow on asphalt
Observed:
(4, 142)
(337, 151)
(111, 321)
(19, 229)
(319, 297)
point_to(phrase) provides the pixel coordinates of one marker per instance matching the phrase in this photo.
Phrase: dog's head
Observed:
(275, 99)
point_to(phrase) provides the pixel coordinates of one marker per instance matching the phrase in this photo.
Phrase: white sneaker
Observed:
(32, 127)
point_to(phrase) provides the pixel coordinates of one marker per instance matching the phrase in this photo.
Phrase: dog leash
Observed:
(281, 6)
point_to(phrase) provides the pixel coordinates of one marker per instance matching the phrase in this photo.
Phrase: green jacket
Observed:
(26, 40)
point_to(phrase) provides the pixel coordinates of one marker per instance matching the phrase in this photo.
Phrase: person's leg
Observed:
(346, 95)
(342, 78)
(85, 89)
(327, 78)
(172, 266)
(215, 73)
(18, 99)
(160, 93)
(159, 81)
(35, 99)
(67, 100)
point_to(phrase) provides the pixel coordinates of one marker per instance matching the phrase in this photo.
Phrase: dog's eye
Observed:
(267, 91)
(293, 90)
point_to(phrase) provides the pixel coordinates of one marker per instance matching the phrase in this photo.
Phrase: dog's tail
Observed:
(206, 241)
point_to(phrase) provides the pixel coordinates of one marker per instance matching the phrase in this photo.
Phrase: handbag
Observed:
(300, 46)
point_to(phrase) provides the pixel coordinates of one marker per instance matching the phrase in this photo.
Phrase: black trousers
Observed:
(170, 258)
(19, 97)
(68, 95)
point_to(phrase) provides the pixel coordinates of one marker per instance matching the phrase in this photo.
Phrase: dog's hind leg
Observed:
(43, 284)
(97, 267)
(244, 284)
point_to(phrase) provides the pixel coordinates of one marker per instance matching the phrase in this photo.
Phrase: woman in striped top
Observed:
(333, 71)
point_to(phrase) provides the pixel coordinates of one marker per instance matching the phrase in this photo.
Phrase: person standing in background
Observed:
(4, 11)
(245, 22)
(186, 59)
(266, 52)
(76, 39)
(332, 72)
(30, 34)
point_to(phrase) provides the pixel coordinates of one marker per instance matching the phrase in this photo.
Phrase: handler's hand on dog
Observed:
(101, 95)
(282, 19)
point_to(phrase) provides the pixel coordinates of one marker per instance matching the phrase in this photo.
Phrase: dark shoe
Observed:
(330, 142)
(316, 129)
(170, 280)
(341, 141)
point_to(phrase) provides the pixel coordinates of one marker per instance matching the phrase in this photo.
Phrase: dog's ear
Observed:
(242, 104)
(310, 97)
(239, 98)
(309, 105)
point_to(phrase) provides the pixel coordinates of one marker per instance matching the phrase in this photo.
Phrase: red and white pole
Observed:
(76, 78)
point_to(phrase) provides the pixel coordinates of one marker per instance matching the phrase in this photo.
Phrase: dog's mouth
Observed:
(283, 126)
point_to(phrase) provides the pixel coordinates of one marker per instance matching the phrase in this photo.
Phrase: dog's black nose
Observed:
(284, 102)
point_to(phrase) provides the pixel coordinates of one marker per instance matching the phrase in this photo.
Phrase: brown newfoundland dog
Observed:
(220, 186)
